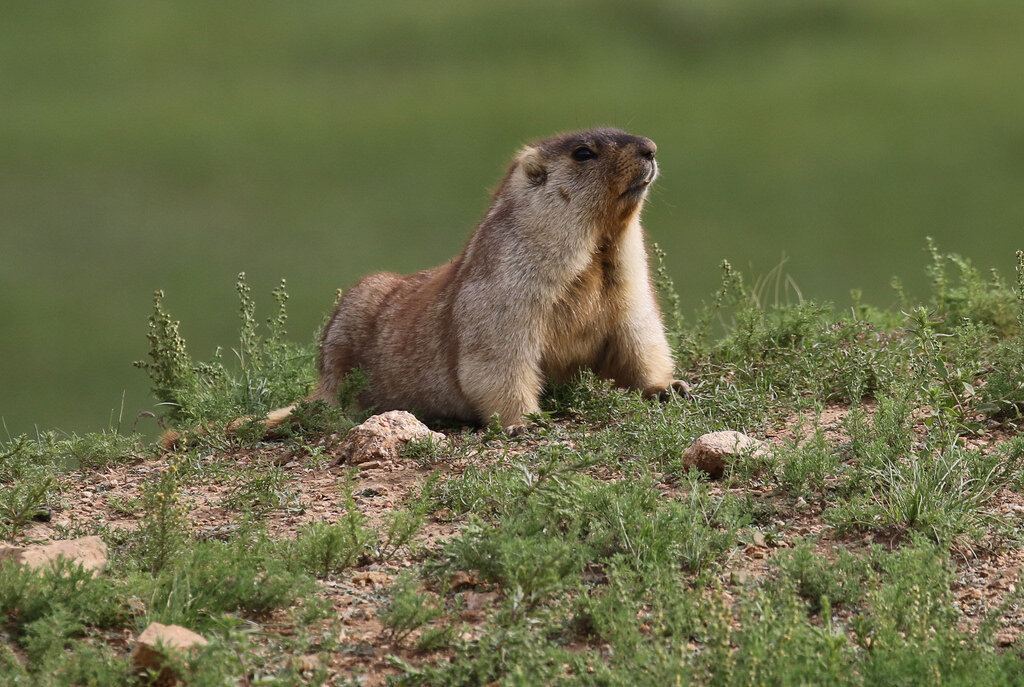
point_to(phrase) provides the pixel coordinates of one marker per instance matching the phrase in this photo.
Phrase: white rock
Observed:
(90, 552)
(150, 652)
(382, 437)
(711, 452)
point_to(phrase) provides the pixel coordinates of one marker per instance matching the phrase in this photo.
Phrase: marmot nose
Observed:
(647, 148)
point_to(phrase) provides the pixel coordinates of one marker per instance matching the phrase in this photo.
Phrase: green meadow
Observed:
(171, 146)
(875, 538)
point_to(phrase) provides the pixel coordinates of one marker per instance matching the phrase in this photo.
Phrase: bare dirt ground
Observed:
(110, 498)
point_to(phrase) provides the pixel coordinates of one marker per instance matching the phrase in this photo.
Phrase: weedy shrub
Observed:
(210, 579)
(502, 490)
(220, 577)
(45, 611)
(77, 663)
(269, 372)
(805, 350)
(1003, 392)
(839, 581)
(163, 529)
(631, 521)
(231, 656)
(943, 373)
(941, 494)
(314, 419)
(527, 563)
(803, 465)
(1012, 453)
(98, 450)
(546, 540)
(323, 548)
(53, 452)
(883, 439)
(424, 450)
(969, 297)
(692, 344)
(617, 427)
(916, 598)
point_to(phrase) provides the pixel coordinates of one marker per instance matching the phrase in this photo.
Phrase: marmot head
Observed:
(602, 175)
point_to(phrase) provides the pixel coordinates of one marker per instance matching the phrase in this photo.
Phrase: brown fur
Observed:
(553, 279)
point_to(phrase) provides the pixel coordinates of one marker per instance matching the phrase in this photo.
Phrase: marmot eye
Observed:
(583, 153)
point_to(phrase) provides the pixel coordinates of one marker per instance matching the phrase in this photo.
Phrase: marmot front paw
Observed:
(678, 388)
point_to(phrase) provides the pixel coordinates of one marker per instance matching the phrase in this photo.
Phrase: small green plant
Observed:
(823, 582)
(20, 502)
(261, 489)
(805, 464)
(402, 524)
(124, 506)
(57, 452)
(693, 346)
(666, 288)
(212, 578)
(409, 610)
(170, 368)
(425, 450)
(944, 386)
(324, 548)
(528, 565)
(311, 419)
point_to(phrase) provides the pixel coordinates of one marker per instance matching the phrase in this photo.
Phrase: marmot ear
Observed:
(533, 165)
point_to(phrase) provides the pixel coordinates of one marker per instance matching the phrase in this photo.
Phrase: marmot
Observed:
(553, 279)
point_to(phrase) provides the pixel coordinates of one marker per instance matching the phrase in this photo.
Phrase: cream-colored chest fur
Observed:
(594, 303)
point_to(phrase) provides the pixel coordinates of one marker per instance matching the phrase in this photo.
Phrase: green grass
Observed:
(318, 142)
(605, 561)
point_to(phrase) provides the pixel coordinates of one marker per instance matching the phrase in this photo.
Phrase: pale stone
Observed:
(1006, 637)
(90, 552)
(382, 437)
(149, 654)
(711, 452)
(371, 578)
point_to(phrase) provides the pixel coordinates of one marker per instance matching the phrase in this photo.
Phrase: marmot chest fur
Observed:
(553, 279)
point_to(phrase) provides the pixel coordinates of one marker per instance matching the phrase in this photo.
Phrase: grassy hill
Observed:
(877, 542)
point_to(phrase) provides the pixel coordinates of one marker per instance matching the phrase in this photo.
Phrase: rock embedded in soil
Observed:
(382, 438)
(90, 552)
(712, 452)
(151, 650)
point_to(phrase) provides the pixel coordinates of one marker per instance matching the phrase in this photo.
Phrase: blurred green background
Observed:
(148, 145)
